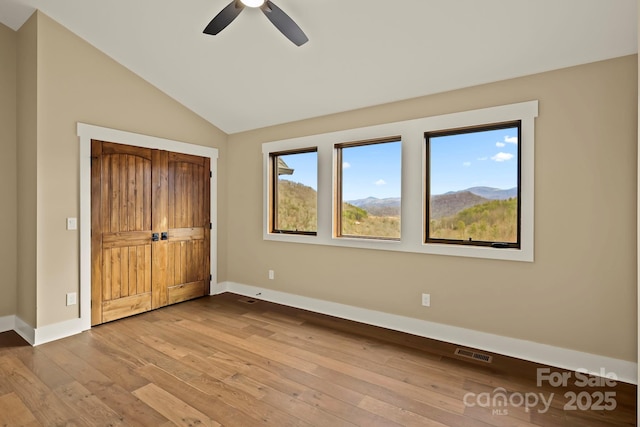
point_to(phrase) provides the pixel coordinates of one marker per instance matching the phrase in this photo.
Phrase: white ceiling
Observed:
(360, 53)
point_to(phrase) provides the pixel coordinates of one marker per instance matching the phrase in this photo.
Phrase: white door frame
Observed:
(88, 132)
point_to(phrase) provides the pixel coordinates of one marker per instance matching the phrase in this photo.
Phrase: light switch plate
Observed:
(72, 223)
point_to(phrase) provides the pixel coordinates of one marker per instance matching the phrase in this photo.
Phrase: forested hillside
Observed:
(456, 215)
(494, 221)
(297, 210)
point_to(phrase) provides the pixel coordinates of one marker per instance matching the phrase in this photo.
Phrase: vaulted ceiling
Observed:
(360, 52)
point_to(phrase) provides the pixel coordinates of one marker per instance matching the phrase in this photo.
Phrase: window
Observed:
(294, 197)
(427, 159)
(368, 189)
(473, 186)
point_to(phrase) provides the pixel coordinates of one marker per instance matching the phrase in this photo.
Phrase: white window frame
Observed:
(414, 167)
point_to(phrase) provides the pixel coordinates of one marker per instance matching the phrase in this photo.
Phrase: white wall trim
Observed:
(626, 371)
(7, 323)
(219, 288)
(88, 132)
(57, 331)
(40, 335)
(25, 330)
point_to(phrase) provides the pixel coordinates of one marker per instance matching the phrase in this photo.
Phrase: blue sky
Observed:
(488, 158)
(305, 168)
(458, 162)
(368, 171)
(371, 171)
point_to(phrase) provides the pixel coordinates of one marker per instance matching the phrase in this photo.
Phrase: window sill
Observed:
(413, 247)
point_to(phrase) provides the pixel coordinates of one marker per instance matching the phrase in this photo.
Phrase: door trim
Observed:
(86, 133)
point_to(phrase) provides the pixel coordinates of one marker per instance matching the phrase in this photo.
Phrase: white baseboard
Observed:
(218, 288)
(37, 336)
(25, 330)
(535, 352)
(57, 331)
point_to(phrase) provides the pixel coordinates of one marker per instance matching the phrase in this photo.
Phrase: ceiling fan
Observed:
(281, 20)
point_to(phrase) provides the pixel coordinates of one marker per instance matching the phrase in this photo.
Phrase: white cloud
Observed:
(381, 182)
(502, 157)
(346, 165)
(482, 159)
(511, 139)
(466, 164)
(500, 144)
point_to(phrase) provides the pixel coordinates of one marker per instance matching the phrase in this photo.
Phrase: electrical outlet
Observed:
(72, 298)
(426, 300)
(272, 275)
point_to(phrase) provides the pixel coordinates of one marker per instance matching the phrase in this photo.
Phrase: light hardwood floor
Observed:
(226, 361)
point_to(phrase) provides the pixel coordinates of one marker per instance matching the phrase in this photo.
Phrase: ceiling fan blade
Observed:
(224, 18)
(284, 23)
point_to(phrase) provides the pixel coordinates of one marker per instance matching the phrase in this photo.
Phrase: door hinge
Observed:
(210, 174)
(210, 278)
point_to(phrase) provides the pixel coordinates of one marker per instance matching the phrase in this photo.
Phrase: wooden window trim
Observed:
(427, 197)
(339, 202)
(273, 191)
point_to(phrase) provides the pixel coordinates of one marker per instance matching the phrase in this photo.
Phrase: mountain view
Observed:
(479, 213)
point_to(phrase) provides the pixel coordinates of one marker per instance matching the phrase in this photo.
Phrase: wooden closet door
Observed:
(188, 266)
(121, 231)
(150, 229)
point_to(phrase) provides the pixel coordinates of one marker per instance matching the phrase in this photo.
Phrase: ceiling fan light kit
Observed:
(252, 3)
(278, 18)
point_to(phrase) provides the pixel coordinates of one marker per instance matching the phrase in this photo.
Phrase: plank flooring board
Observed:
(244, 402)
(285, 386)
(41, 401)
(245, 344)
(177, 411)
(398, 400)
(401, 386)
(321, 337)
(212, 366)
(216, 409)
(357, 415)
(220, 361)
(90, 409)
(276, 389)
(111, 360)
(399, 415)
(213, 387)
(190, 343)
(248, 385)
(291, 403)
(449, 385)
(257, 330)
(222, 326)
(14, 413)
(244, 359)
(119, 400)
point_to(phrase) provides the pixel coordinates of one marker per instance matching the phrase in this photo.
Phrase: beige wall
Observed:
(27, 167)
(77, 83)
(8, 179)
(580, 293)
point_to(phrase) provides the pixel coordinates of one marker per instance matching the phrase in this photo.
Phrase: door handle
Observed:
(164, 236)
(155, 237)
